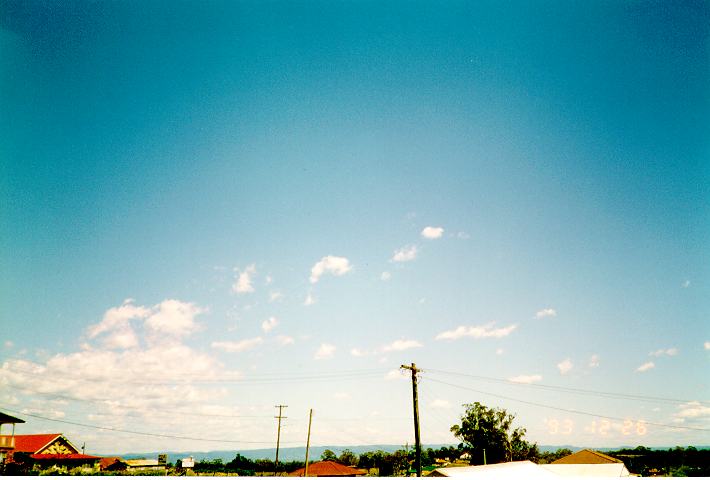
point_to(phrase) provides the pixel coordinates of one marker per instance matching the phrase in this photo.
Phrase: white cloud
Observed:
(546, 312)
(118, 317)
(480, 331)
(270, 324)
(693, 411)
(499, 351)
(285, 340)
(670, 352)
(405, 254)
(594, 361)
(268, 280)
(706, 345)
(646, 366)
(244, 280)
(337, 266)
(385, 276)
(463, 235)
(432, 233)
(565, 366)
(173, 317)
(686, 284)
(341, 396)
(122, 338)
(239, 346)
(310, 300)
(399, 345)
(325, 350)
(356, 352)
(440, 404)
(397, 374)
(8, 344)
(275, 296)
(525, 378)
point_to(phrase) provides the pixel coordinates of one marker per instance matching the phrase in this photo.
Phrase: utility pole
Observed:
(278, 438)
(308, 441)
(415, 401)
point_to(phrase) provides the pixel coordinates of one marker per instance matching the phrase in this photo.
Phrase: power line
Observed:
(578, 412)
(133, 432)
(579, 391)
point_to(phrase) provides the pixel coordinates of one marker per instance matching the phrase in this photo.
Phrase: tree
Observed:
(489, 430)
(347, 457)
(328, 455)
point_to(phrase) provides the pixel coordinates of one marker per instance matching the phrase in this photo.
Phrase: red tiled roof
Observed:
(63, 456)
(327, 468)
(108, 461)
(33, 443)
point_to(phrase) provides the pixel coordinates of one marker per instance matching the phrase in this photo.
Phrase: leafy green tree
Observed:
(328, 455)
(347, 457)
(491, 430)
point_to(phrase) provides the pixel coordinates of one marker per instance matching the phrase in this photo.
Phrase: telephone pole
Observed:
(415, 401)
(278, 437)
(308, 441)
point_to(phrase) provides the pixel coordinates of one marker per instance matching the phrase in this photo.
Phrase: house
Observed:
(7, 442)
(588, 463)
(49, 450)
(112, 464)
(586, 457)
(139, 464)
(328, 468)
(524, 469)
(188, 462)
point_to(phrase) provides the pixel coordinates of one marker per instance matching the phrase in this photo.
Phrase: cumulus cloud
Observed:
(645, 367)
(546, 312)
(356, 352)
(525, 378)
(405, 254)
(173, 317)
(238, 346)
(664, 352)
(565, 366)
(440, 404)
(269, 324)
(399, 345)
(385, 276)
(594, 361)
(480, 331)
(432, 233)
(499, 351)
(325, 350)
(396, 374)
(244, 280)
(706, 345)
(118, 318)
(275, 296)
(332, 265)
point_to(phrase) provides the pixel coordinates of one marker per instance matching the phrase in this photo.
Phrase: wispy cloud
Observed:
(594, 361)
(546, 312)
(332, 265)
(385, 276)
(269, 324)
(285, 340)
(664, 352)
(686, 284)
(396, 374)
(399, 345)
(645, 367)
(275, 296)
(706, 345)
(239, 346)
(440, 404)
(692, 411)
(244, 280)
(325, 350)
(432, 233)
(565, 366)
(480, 331)
(405, 254)
(310, 300)
(525, 378)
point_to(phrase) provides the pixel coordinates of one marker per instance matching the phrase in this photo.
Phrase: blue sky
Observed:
(511, 190)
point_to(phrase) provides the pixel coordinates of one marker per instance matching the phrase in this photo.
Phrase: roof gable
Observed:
(587, 457)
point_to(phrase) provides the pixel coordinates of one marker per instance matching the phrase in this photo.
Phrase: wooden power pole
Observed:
(415, 401)
(278, 437)
(308, 441)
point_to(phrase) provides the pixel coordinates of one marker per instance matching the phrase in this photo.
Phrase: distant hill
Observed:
(288, 454)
